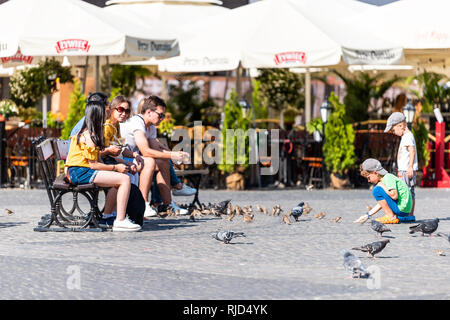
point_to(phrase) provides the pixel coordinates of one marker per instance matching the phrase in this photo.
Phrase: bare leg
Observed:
(387, 210)
(110, 202)
(412, 208)
(146, 177)
(121, 182)
(163, 180)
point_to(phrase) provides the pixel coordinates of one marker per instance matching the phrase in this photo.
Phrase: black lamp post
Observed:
(325, 112)
(409, 112)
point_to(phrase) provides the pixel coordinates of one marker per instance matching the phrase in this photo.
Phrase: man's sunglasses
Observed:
(122, 110)
(160, 115)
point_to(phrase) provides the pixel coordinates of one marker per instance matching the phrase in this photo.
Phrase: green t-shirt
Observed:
(404, 200)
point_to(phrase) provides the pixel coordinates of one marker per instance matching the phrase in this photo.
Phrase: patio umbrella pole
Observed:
(44, 111)
(258, 173)
(83, 86)
(307, 96)
(108, 75)
(97, 73)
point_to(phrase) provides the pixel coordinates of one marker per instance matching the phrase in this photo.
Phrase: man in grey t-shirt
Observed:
(140, 135)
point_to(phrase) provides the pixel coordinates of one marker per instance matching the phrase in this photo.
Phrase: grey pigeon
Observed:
(373, 248)
(428, 227)
(443, 235)
(297, 211)
(379, 227)
(221, 207)
(226, 236)
(354, 265)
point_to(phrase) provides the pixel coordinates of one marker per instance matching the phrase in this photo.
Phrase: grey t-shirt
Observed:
(132, 125)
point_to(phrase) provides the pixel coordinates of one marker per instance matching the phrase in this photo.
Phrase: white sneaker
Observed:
(185, 191)
(125, 225)
(181, 211)
(149, 211)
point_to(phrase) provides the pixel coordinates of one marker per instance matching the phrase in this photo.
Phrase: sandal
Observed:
(387, 220)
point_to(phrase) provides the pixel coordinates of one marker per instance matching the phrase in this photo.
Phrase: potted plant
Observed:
(315, 127)
(8, 109)
(338, 148)
(235, 167)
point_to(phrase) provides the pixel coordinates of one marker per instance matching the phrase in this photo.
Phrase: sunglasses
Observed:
(122, 110)
(160, 115)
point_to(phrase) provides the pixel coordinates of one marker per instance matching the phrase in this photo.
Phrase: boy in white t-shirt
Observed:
(407, 163)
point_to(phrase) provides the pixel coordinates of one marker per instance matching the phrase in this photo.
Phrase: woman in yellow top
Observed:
(84, 164)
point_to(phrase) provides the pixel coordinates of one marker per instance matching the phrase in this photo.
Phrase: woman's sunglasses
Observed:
(122, 110)
(160, 115)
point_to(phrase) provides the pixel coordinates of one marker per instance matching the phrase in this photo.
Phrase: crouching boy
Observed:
(391, 193)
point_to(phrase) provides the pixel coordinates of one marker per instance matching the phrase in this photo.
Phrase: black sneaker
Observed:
(106, 223)
(164, 208)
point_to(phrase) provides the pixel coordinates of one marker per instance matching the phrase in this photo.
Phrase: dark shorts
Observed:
(409, 182)
(81, 175)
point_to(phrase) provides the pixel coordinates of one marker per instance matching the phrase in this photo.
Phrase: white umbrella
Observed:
(75, 28)
(281, 34)
(422, 28)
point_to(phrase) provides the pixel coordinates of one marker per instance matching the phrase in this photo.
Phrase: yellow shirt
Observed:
(80, 154)
(111, 133)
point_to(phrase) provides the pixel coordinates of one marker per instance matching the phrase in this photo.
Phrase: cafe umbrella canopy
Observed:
(281, 34)
(76, 29)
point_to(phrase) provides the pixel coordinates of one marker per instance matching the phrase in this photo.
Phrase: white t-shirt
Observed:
(133, 124)
(403, 153)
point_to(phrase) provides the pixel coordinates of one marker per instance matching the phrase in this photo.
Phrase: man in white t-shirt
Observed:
(140, 135)
(407, 163)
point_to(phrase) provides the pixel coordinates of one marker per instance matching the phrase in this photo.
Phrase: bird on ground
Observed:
(379, 227)
(9, 212)
(354, 265)
(373, 248)
(230, 216)
(337, 219)
(259, 208)
(247, 209)
(443, 235)
(226, 236)
(440, 252)
(266, 211)
(222, 206)
(276, 210)
(238, 210)
(248, 217)
(286, 219)
(309, 187)
(320, 215)
(306, 208)
(297, 211)
(368, 207)
(428, 227)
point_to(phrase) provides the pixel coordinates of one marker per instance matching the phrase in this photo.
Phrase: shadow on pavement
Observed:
(11, 224)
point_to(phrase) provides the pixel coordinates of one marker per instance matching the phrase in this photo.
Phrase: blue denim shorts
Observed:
(81, 175)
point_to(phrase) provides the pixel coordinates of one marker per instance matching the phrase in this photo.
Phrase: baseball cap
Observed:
(394, 119)
(372, 165)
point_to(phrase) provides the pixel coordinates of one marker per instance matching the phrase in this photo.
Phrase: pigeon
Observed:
(286, 219)
(443, 235)
(221, 206)
(373, 248)
(379, 227)
(320, 215)
(306, 208)
(297, 211)
(428, 227)
(337, 219)
(9, 212)
(226, 236)
(354, 265)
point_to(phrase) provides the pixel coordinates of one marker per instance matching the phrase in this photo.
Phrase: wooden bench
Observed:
(48, 152)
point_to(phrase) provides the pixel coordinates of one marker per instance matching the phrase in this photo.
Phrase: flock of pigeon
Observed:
(354, 265)
(351, 263)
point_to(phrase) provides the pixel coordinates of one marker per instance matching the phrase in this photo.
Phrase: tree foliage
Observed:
(124, 77)
(338, 149)
(360, 90)
(280, 88)
(76, 110)
(28, 86)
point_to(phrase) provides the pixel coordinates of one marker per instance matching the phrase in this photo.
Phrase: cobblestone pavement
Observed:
(175, 258)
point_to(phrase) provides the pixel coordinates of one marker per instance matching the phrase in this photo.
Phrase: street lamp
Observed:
(325, 111)
(409, 112)
(245, 108)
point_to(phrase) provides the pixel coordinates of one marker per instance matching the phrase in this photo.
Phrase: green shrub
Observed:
(338, 148)
(76, 110)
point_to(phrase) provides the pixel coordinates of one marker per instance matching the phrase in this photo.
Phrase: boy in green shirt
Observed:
(392, 194)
